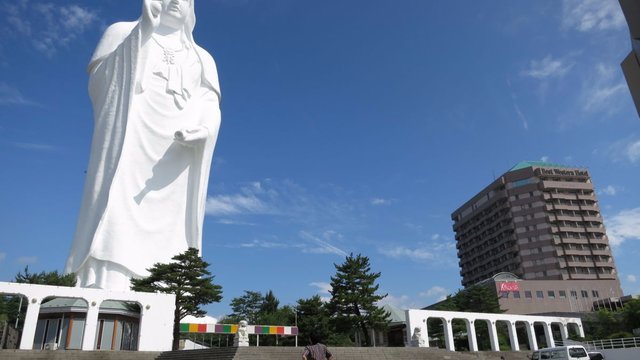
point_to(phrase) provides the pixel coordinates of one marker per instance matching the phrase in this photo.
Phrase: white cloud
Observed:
(632, 278)
(379, 201)
(36, 147)
(401, 302)
(26, 260)
(48, 25)
(592, 15)
(235, 204)
(400, 252)
(625, 150)
(264, 244)
(544, 159)
(548, 67)
(323, 290)
(12, 96)
(321, 246)
(323, 287)
(609, 190)
(624, 226)
(2, 256)
(602, 89)
(437, 292)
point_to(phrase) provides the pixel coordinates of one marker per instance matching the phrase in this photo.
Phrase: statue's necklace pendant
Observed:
(169, 56)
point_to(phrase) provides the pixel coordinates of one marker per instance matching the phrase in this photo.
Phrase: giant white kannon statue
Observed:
(155, 97)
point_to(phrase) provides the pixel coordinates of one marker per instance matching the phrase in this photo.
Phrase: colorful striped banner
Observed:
(232, 329)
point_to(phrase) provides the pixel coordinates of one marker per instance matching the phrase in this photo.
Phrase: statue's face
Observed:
(174, 12)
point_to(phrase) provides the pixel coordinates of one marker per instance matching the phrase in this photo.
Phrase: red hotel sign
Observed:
(509, 286)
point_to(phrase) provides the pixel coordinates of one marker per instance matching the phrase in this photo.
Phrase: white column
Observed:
(548, 334)
(30, 324)
(425, 333)
(91, 325)
(513, 336)
(580, 330)
(448, 335)
(471, 335)
(531, 333)
(564, 333)
(493, 336)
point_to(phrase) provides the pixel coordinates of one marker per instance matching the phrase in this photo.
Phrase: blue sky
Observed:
(348, 126)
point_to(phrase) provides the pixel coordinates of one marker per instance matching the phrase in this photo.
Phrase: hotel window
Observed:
(574, 294)
(540, 294)
(595, 293)
(584, 293)
(516, 294)
(562, 294)
(527, 294)
(551, 294)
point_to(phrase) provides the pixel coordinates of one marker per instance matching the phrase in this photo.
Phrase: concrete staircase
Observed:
(264, 353)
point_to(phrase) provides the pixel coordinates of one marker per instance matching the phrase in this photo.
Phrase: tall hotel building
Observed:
(537, 234)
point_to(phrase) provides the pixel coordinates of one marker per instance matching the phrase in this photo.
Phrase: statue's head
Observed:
(243, 323)
(174, 13)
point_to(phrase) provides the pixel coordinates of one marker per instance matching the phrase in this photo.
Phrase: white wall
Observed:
(621, 354)
(156, 312)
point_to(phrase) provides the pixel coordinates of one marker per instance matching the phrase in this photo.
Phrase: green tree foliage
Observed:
(52, 278)
(188, 279)
(631, 315)
(246, 307)
(313, 318)
(269, 303)
(10, 309)
(353, 298)
(473, 299)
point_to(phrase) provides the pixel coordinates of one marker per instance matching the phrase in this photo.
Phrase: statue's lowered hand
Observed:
(191, 137)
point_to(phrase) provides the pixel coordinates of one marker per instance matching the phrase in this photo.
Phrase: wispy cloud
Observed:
(35, 147)
(625, 150)
(435, 292)
(401, 252)
(632, 278)
(323, 289)
(439, 249)
(592, 15)
(544, 158)
(9, 95)
(401, 302)
(265, 244)
(548, 67)
(289, 202)
(608, 190)
(321, 245)
(247, 202)
(380, 201)
(27, 260)
(47, 25)
(2, 256)
(624, 226)
(602, 89)
(516, 107)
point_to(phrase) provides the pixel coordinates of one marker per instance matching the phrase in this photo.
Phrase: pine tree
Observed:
(52, 278)
(247, 307)
(353, 298)
(313, 318)
(188, 279)
(269, 303)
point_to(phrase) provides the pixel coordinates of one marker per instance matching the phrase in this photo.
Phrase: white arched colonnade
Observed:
(418, 319)
(156, 316)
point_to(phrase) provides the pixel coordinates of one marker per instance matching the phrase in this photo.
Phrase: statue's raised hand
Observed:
(151, 10)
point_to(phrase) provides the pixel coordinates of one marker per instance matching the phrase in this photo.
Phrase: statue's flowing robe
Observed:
(145, 194)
